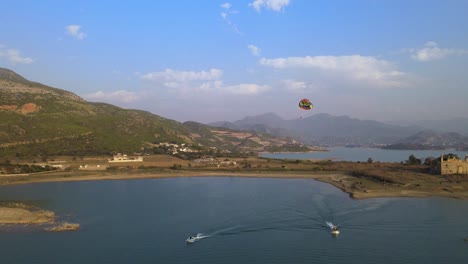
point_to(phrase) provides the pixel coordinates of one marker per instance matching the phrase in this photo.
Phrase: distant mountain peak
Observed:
(9, 75)
(13, 84)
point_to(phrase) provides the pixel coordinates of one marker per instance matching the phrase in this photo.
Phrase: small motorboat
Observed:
(334, 230)
(191, 239)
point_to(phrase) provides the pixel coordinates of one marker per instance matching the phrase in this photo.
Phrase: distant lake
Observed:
(362, 154)
(246, 220)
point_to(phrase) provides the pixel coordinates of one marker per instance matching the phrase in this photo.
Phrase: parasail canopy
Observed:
(305, 104)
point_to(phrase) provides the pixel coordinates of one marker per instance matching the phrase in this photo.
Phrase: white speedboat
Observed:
(334, 230)
(191, 240)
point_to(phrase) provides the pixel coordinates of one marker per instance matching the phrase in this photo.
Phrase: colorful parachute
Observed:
(305, 104)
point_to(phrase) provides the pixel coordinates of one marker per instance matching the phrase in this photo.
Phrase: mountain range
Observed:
(458, 125)
(325, 129)
(328, 130)
(429, 139)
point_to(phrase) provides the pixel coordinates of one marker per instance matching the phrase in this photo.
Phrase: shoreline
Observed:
(19, 214)
(349, 184)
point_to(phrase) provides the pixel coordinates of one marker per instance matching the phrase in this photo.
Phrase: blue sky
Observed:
(223, 60)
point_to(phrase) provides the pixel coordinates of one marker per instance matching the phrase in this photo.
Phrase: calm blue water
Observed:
(247, 220)
(362, 154)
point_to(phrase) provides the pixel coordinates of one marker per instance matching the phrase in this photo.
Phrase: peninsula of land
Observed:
(360, 179)
(17, 213)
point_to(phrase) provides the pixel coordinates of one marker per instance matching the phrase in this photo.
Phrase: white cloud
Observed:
(120, 96)
(227, 11)
(226, 5)
(294, 85)
(74, 31)
(275, 5)
(431, 51)
(210, 86)
(188, 82)
(217, 87)
(14, 56)
(246, 89)
(170, 75)
(356, 67)
(254, 50)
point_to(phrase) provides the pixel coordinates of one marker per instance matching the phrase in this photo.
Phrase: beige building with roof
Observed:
(453, 165)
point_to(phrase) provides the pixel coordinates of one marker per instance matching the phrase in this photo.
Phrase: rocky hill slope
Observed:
(429, 139)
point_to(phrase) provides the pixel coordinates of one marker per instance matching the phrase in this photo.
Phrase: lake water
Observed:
(246, 220)
(362, 154)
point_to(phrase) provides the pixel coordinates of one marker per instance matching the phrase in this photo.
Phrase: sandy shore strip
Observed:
(92, 176)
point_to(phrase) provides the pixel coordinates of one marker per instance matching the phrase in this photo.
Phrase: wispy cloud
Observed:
(431, 51)
(275, 5)
(187, 82)
(169, 75)
(294, 85)
(247, 89)
(254, 50)
(217, 87)
(356, 67)
(225, 15)
(120, 96)
(14, 56)
(75, 31)
(226, 5)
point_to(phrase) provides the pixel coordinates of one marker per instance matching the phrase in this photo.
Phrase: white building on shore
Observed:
(124, 158)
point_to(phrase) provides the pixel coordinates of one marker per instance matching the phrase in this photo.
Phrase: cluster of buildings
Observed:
(175, 148)
(119, 158)
(210, 161)
(124, 158)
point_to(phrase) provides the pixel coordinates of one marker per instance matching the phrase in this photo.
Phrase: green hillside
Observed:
(38, 120)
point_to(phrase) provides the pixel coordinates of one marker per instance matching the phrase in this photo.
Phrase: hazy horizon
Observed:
(207, 61)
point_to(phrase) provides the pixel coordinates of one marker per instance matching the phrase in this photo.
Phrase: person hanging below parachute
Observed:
(305, 104)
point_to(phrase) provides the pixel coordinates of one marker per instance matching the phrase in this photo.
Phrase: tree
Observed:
(451, 156)
(412, 160)
(430, 161)
(176, 166)
(370, 160)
